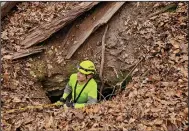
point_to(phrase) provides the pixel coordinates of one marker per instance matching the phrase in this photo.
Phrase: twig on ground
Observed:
(115, 71)
(130, 72)
(102, 60)
(173, 5)
(38, 97)
(101, 95)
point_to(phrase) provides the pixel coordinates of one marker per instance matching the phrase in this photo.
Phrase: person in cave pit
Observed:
(82, 88)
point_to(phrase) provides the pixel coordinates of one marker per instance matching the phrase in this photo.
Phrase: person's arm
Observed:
(92, 98)
(67, 91)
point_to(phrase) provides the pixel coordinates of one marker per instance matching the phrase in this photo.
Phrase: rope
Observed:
(28, 107)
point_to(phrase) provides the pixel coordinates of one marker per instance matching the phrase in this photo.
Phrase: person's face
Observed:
(81, 77)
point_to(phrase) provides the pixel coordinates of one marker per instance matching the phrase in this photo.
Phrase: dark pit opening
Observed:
(107, 94)
(55, 95)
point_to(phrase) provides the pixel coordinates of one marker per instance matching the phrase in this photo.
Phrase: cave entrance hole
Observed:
(107, 93)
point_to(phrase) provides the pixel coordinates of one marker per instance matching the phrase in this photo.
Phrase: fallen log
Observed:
(46, 30)
(98, 18)
(6, 7)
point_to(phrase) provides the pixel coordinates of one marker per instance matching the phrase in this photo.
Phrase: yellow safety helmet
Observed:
(86, 67)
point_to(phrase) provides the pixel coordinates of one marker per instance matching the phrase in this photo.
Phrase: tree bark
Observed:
(6, 7)
(46, 30)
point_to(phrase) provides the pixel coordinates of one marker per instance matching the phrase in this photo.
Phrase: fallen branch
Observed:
(99, 17)
(46, 30)
(25, 53)
(120, 84)
(101, 95)
(102, 60)
(168, 7)
(115, 71)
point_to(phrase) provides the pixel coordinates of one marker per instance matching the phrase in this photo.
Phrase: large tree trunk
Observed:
(6, 7)
(46, 30)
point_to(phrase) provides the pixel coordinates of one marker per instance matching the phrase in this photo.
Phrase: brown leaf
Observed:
(165, 83)
(16, 99)
(79, 115)
(119, 118)
(149, 128)
(155, 110)
(178, 93)
(176, 51)
(133, 93)
(186, 110)
(131, 121)
(4, 35)
(49, 123)
(184, 58)
(8, 57)
(171, 127)
(184, 48)
(174, 43)
(184, 71)
(130, 85)
(158, 122)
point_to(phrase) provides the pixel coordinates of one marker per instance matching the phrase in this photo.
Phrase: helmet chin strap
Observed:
(86, 76)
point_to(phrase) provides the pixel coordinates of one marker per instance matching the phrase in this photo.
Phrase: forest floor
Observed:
(155, 99)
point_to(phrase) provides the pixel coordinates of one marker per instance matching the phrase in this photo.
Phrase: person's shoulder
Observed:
(73, 76)
(93, 82)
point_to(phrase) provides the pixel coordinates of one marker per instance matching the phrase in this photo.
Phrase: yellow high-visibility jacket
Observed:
(88, 96)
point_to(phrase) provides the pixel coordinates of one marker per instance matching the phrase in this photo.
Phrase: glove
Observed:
(59, 103)
(70, 104)
(62, 100)
(65, 106)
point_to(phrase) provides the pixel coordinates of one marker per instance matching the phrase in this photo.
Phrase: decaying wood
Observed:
(102, 60)
(46, 30)
(25, 53)
(99, 17)
(6, 7)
